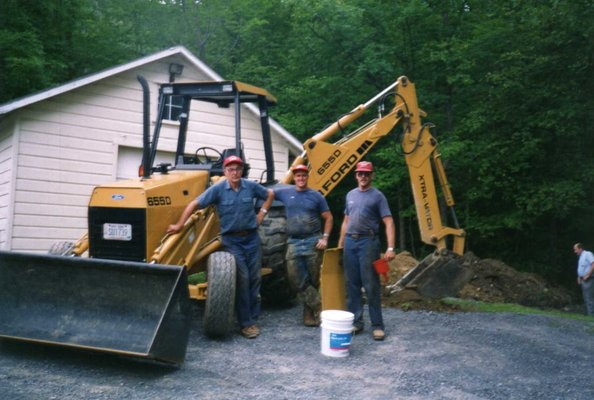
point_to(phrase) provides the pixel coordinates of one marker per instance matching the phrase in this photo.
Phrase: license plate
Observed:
(117, 232)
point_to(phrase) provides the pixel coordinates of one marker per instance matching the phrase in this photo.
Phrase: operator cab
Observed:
(224, 94)
(201, 161)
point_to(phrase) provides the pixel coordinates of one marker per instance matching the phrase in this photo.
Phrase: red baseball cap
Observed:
(232, 160)
(364, 166)
(299, 167)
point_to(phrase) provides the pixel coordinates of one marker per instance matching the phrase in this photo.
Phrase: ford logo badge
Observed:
(117, 197)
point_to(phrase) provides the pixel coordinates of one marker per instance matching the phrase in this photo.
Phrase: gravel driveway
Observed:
(426, 355)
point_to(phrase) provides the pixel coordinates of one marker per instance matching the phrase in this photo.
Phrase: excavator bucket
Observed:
(125, 308)
(332, 281)
(439, 275)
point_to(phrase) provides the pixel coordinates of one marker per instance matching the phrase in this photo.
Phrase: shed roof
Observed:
(6, 108)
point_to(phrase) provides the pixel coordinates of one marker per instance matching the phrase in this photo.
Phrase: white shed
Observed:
(56, 145)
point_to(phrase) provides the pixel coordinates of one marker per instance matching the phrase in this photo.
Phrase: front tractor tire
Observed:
(220, 297)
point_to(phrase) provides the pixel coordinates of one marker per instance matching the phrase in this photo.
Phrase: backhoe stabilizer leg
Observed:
(332, 281)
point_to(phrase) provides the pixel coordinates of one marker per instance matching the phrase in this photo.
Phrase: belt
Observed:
(304, 236)
(360, 235)
(241, 233)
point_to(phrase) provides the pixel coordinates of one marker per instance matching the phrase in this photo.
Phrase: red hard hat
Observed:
(364, 166)
(232, 160)
(300, 167)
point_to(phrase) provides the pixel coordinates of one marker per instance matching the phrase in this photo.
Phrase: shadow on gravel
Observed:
(80, 359)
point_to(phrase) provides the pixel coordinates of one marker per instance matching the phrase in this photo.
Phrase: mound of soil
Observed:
(492, 282)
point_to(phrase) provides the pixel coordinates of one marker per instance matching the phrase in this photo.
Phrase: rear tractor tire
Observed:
(276, 289)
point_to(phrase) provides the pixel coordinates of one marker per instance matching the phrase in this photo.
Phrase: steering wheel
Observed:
(203, 149)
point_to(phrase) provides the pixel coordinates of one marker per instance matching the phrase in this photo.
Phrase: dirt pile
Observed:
(492, 282)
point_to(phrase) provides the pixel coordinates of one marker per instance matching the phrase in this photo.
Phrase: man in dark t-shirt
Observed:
(305, 209)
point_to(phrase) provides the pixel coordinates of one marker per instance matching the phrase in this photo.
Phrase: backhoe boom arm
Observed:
(329, 162)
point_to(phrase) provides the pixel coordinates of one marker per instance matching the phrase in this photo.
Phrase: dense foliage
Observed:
(508, 83)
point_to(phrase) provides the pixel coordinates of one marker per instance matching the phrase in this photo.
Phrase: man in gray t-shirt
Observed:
(366, 208)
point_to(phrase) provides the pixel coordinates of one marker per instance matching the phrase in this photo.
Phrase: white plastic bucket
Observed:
(337, 332)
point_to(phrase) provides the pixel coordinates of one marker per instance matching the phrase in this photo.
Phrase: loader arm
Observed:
(191, 247)
(81, 245)
(187, 248)
(331, 162)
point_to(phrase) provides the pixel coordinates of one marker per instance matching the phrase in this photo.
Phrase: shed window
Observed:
(173, 107)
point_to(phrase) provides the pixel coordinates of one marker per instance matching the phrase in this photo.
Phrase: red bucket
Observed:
(381, 267)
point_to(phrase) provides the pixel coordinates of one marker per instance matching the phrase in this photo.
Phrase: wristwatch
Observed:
(390, 249)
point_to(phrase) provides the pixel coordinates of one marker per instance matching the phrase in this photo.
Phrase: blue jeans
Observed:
(304, 262)
(248, 259)
(358, 257)
(303, 267)
(588, 293)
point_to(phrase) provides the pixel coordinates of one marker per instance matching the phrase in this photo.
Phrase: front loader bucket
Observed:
(332, 282)
(126, 308)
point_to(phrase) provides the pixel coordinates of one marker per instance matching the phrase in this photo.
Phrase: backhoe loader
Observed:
(131, 294)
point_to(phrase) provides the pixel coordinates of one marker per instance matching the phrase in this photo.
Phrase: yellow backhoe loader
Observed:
(125, 286)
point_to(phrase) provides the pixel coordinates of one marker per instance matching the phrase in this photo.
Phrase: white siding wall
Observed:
(6, 161)
(69, 143)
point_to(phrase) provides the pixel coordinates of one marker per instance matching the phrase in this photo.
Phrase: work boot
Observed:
(378, 334)
(311, 297)
(310, 317)
(250, 332)
(316, 313)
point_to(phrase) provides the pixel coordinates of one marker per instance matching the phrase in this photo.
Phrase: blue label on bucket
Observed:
(340, 341)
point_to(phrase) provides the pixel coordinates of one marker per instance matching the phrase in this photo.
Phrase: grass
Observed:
(478, 306)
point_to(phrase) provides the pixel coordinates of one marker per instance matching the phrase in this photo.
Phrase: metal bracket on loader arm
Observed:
(126, 308)
(332, 282)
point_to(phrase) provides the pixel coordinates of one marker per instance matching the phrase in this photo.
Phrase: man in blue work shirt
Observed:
(366, 207)
(234, 202)
(585, 270)
(307, 238)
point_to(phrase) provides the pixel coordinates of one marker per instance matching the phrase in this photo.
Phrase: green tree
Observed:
(35, 45)
(508, 85)
(528, 174)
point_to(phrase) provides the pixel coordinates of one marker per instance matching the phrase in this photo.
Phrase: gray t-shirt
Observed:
(303, 210)
(365, 210)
